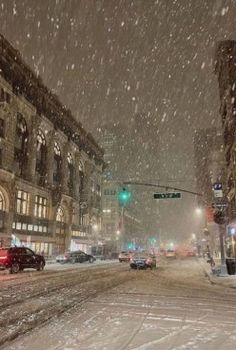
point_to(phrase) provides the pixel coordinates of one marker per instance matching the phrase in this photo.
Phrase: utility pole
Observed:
(223, 269)
(122, 226)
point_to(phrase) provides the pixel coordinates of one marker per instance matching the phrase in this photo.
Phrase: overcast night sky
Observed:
(111, 59)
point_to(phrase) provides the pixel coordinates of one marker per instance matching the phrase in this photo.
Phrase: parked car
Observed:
(190, 253)
(170, 253)
(142, 261)
(19, 258)
(75, 257)
(124, 256)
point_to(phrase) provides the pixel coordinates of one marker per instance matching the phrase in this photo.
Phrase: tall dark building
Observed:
(225, 70)
(209, 163)
(131, 154)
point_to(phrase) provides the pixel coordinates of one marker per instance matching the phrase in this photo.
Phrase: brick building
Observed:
(225, 70)
(50, 167)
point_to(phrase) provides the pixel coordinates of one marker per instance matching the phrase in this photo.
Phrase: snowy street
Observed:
(113, 308)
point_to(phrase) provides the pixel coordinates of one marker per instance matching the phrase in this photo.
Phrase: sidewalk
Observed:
(226, 281)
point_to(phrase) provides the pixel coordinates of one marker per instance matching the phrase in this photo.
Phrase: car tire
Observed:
(15, 268)
(40, 266)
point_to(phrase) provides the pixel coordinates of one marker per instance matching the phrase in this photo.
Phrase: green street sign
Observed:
(167, 195)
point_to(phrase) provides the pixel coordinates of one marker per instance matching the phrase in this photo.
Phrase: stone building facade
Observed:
(225, 70)
(50, 167)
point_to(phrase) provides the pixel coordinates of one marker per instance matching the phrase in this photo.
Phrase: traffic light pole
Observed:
(223, 269)
(167, 187)
(122, 226)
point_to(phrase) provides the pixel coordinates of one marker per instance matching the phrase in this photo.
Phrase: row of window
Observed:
(109, 192)
(23, 201)
(21, 155)
(78, 234)
(22, 226)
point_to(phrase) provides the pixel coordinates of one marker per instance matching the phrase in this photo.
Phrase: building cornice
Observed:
(25, 82)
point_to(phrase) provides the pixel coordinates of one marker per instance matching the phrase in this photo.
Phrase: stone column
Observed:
(10, 134)
(64, 169)
(76, 175)
(50, 156)
(32, 148)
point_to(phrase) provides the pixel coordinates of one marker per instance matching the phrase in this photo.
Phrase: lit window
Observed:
(41, 156)
(40, 207)
(81, 168)
(60, 217)
(2, 202)
(18, 225)
(70, 173)
(57, 162)
(22, 202)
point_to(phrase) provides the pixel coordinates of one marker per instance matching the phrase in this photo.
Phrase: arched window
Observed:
(2, 202)
(21, 144)
(81, 167)
(60, 216)
(70, 165)
(57, 161)
(41, 157)
(60, 222)
(81, 193)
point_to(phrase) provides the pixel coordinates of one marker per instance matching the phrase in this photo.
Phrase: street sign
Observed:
(219, 205)
(231, 231)
(217, 186)
(218, 190)
(167, 195)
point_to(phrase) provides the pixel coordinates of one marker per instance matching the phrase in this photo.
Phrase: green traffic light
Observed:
(124, 196)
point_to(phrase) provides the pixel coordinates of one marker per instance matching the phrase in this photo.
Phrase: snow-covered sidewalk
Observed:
(225, 280)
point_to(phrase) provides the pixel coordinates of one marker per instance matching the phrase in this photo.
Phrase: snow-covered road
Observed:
(173, 307)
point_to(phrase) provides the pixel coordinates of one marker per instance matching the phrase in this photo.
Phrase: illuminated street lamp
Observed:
(198, 211)
(193, 236)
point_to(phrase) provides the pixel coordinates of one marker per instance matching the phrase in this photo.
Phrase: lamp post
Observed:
(199, 214)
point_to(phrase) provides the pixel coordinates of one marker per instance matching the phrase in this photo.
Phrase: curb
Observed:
(224, 281)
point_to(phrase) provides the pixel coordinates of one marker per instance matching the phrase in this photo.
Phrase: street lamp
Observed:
(198, 211)
(193, 236)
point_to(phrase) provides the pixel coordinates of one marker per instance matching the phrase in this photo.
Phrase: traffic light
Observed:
(124, 197)
(152, 240)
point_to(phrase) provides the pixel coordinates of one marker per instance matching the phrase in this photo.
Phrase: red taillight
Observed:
(3, 258)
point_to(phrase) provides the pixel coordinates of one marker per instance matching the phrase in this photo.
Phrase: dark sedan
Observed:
(19, 258)
(75, 257)
(143, 261)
